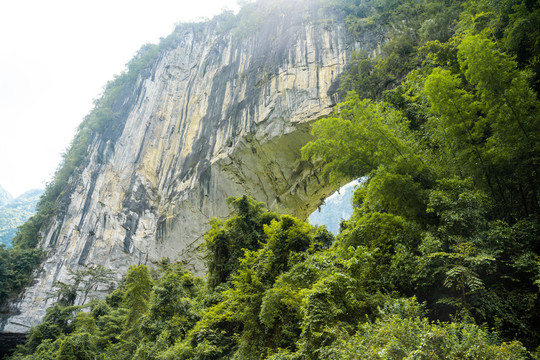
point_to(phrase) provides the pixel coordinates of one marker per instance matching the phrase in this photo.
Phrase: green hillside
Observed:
(15, 212)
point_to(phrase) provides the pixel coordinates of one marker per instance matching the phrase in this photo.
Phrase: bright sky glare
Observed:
(55, 58)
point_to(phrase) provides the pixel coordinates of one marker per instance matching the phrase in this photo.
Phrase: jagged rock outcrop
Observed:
(218, 115)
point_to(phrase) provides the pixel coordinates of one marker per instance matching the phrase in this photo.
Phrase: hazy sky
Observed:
(55, 58)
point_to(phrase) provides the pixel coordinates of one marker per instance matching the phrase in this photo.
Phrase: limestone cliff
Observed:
(221, 113)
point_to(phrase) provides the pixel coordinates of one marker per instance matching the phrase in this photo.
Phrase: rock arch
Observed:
(214, 116)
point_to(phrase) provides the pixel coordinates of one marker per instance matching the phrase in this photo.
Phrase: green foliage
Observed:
(408, 26)
(79, 346)
(300, 295)
(490, 125)
(226, 240)
(235, 320)
(173, 310)
(451, 159)
(402, 193)
(81, 283)
(138, 291)
(408, 336)
(57, 322)
(16, 266)
(358, 137)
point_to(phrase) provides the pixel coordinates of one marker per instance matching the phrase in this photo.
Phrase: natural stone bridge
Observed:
(218, 115)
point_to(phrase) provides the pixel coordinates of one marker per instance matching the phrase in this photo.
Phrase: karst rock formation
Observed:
(220, 113)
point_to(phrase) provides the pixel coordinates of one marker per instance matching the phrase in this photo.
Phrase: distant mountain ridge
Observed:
(336, 207)
(15, 211)
(5, 197)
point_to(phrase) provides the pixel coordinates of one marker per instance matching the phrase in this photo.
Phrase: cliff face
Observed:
(218, 115)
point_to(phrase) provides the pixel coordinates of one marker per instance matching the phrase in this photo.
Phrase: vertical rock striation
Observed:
(219, 114)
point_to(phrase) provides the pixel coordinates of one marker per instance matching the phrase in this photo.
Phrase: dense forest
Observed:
(440, 259)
